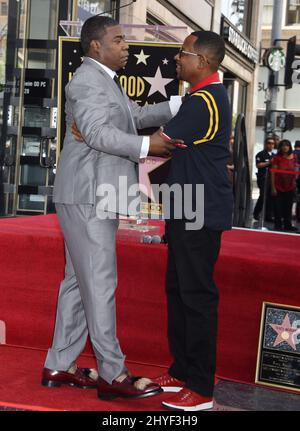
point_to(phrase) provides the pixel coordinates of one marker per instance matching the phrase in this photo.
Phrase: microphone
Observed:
(156, 239)
(147, 239)
(118, 8)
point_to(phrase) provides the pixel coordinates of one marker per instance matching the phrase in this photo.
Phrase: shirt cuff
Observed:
(175, 103)
(145, 147)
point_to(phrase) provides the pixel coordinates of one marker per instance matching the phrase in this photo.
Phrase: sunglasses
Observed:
(182, 52)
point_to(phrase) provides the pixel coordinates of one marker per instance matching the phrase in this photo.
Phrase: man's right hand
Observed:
(160, 147)
(75, 132)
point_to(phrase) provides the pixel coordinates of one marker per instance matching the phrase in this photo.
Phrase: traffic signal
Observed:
(293, 50)
(289, 121)
(286, 121)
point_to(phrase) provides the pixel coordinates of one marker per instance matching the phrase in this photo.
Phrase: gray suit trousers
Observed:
(86, 302)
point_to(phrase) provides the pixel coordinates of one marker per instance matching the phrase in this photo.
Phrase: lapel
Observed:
(114, 88)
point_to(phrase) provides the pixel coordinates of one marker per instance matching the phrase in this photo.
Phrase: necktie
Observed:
(116, 79)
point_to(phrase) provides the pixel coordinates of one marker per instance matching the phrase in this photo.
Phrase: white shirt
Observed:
(174, 103)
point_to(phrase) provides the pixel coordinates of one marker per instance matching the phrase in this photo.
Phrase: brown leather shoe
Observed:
(126, 389)
(81, 378)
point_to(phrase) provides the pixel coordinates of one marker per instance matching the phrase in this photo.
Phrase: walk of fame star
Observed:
(142, 58)
(145, 168)
(285, 333)
(158, 83)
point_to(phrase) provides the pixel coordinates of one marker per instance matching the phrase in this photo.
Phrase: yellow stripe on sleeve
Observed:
(213, 110)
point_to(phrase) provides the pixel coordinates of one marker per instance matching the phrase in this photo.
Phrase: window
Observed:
(86, 8)
(4, 8)
(293, 12)
(43, 16)
(268, 12)
(239, 13)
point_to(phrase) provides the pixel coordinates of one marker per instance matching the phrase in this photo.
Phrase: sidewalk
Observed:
(267, 226)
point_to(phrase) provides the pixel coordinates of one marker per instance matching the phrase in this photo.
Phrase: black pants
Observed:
(283, 209)
(192, 304)
(260, 201)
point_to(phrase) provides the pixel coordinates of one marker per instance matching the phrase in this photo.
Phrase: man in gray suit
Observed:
(108, 122)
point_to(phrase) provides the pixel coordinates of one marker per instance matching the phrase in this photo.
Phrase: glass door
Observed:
(29, 31)
(29, 106)
(13, 55)
(37, 141)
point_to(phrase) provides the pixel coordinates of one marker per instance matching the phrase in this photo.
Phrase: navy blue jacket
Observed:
(204, 123)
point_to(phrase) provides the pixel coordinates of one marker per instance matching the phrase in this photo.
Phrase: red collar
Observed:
(214, 78)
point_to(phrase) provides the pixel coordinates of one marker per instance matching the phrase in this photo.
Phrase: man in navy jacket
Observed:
(204, 124)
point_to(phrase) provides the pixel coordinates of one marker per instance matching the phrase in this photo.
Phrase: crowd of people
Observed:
(278, 182)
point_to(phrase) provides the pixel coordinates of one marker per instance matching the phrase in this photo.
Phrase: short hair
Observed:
(94, 28)
(284, 142)
(297, 144)
(211, 42)
(269, 138)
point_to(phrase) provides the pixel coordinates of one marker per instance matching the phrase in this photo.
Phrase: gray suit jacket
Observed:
(108, 122)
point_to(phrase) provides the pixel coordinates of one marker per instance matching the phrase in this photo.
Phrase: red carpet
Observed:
(20, 386)
(253, 267)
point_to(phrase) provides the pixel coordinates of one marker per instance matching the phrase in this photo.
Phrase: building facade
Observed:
(29, 31)
(240, 24)
(287, 100)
